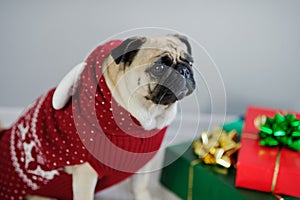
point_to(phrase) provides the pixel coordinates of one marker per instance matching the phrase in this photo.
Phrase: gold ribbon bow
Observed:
(213, 147)
(216, 147)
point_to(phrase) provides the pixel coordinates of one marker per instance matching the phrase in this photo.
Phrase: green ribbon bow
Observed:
(281, 130)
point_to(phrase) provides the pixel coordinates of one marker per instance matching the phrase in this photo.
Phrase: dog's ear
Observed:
(66, 87)
(184, 40)
(127, 50)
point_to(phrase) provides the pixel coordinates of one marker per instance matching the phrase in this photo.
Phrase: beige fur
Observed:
(122, 86)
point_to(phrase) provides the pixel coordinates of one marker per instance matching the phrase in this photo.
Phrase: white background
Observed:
(255, 44)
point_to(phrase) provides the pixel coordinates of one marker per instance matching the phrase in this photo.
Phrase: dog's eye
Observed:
(167, 60)
(158, 69)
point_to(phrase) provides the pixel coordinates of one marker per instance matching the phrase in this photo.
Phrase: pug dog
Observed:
(102, 123)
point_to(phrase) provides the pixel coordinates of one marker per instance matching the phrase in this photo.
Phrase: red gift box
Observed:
(269, 169)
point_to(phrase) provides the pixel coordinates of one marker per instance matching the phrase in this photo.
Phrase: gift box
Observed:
(268, 169)
(236, 125)
(190, 179)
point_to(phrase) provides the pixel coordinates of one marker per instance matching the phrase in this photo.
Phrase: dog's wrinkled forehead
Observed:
(175, 47)
(174, 44)
(150, 48)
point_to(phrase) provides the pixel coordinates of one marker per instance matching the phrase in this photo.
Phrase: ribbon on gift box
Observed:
(276, 168)
(278, 131)
(191, 178)
(216, 148)
(281, 130)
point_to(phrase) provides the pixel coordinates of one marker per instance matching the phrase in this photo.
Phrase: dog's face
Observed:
(158, 69)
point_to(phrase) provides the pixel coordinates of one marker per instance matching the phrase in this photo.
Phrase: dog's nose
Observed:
(183, 70)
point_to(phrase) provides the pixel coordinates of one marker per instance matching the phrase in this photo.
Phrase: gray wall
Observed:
(255, 45)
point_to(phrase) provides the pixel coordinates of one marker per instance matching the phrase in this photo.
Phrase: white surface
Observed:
(184, 129)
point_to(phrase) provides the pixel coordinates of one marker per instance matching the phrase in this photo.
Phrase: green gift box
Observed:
(236, 125)
(190, 179)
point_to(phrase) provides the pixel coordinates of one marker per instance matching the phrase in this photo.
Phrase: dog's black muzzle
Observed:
(175, 83)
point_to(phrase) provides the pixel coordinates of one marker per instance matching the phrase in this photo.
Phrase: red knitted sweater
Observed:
(91, 128)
